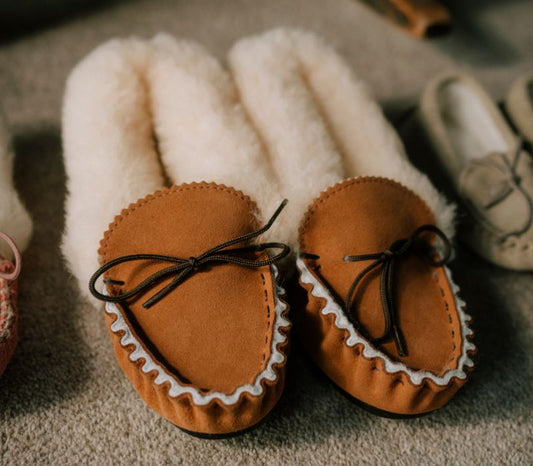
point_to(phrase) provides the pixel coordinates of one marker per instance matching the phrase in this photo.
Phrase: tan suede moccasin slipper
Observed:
(383, 319)
(194, 309)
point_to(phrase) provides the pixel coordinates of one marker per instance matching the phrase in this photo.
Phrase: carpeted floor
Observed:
(63, 400)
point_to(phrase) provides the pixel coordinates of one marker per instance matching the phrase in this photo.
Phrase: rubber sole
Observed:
(376, 411)
(205, 436)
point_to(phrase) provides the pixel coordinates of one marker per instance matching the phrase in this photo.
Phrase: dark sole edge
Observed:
(228, 435)
(356, 401)
(376, 411)
(205, 436)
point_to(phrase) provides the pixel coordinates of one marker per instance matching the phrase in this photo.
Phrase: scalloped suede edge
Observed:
(416, 377)
(176, 389)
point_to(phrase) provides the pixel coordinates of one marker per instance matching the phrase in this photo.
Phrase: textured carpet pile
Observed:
(63, 399)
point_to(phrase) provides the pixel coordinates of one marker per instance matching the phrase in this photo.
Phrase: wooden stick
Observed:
(420, 18)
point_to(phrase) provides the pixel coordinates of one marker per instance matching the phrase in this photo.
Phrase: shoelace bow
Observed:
(18, 263)
(185, 267)
(513, 182)
(387, 259)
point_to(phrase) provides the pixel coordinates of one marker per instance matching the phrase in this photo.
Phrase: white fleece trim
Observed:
(14, 218)
(318, 121)
(109, 153)
(176, 388)
(116, 100)
(392, 367)
(203, 131)
(294, 121)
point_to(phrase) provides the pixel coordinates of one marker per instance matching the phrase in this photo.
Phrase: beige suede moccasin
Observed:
(484, 162)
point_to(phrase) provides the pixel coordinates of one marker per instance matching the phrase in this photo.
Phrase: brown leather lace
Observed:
(387, 259)
(183, 268)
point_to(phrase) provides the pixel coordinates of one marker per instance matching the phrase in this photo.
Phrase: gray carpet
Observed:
(63, 400)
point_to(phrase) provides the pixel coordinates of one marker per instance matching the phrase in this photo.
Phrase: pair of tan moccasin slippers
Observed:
(189, 274)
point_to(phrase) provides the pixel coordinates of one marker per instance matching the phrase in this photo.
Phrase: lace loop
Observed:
(183, 268)
(387, 259)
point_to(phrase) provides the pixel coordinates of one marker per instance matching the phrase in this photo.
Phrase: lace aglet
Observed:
(150, 302)
(278, 211)
(109, 281)
(398, 340)
(154, 299)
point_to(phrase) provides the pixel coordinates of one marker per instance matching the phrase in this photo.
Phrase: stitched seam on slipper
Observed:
(442, 293)
(416, 377)
(348, 183)
(167, 191)
(176, 389)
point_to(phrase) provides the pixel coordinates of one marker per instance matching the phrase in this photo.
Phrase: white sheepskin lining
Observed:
(392, 367)
(176, 388)
(319, 123)
(288, 119)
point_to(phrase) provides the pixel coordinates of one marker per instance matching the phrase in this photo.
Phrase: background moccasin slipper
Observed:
(484, 162)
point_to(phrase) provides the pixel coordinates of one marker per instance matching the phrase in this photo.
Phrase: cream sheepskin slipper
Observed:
(484, 163)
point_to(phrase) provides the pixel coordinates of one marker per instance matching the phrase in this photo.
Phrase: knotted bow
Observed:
(491, 180)
(15, 273)
(387, 259)
(183, 268)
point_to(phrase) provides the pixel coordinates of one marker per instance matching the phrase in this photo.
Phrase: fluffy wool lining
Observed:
(14, 218)
(148, 365)
(369, 351)
(137, 114)
(319, 122)
(109, 151)
(290, 120)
